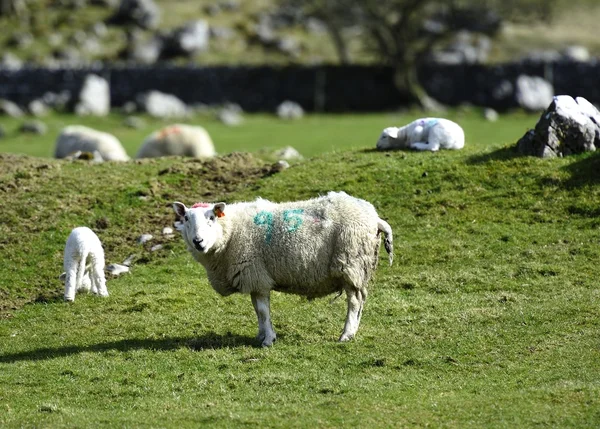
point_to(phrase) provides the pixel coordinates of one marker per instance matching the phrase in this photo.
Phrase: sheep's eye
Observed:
(212, 218)
(186, 218)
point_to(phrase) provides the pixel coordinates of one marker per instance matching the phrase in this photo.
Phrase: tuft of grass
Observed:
(488, 317)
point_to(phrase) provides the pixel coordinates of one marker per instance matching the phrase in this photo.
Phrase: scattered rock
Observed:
(290, 110)
(187, 40)
(142, 50)
(144, 238)
(490, 114)
(34, 127)
(156, 247)
(117, 269)
(9, 108)
(143, 13)
(279, 166)
(37, 108)
(127, 262)
(231, 115)
(577, 53)
(533, 93)
(167, 230)
(10, 62)
(134, 122)
(288, 153)
(568, 126)
(94, 98)
(161, 105)
(129, 107)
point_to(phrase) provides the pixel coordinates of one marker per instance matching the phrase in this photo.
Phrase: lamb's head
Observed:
(387, 138)
(199, 224)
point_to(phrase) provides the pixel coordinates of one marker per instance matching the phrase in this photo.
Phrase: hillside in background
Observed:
(242, 32)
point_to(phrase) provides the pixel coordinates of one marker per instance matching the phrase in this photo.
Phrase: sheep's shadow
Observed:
(503, 154)
(207, 341)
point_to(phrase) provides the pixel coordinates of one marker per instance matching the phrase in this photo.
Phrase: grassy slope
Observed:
(488, 318)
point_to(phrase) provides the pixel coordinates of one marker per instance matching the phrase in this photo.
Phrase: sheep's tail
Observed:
(388, 242)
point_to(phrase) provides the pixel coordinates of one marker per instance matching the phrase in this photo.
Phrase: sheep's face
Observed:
(199, 224)
(387, 137)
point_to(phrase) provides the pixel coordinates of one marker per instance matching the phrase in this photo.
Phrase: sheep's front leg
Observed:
(70, 285)
(261, 303)
(356, 301)
(432, 146)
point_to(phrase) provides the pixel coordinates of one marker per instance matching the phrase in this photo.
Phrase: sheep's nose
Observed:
(197, 243)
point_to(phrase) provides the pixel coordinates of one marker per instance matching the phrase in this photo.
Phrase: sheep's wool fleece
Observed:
(79, 137)
(439, 133)
(311, 248)
(178, 140)
(82, 243)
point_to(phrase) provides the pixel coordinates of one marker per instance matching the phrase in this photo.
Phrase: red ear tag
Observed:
(219, 212)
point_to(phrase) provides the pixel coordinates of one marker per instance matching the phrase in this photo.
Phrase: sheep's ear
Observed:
(62, 277)
(179, 209)
(391, 132)
(219, 209)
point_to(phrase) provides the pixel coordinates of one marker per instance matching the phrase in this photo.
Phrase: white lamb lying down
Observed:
(80, 138)
(311, 248)
(178, 140)
(84, 264)
(423, 134)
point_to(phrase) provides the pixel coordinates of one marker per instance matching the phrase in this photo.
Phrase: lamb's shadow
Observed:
(503, 154)
(584, 172)
(207, 341)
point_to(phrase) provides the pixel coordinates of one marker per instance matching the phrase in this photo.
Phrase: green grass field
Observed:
(489, 316)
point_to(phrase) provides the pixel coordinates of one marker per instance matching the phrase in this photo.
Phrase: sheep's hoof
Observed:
(345, 337)
(267, 341)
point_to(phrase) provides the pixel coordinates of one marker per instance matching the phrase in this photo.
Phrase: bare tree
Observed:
(402, 33)
(12, 7)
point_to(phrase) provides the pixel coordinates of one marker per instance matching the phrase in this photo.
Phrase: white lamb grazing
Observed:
(311, 248)
(423, 134)
(79, 137)
(178, 140)
(84, 257)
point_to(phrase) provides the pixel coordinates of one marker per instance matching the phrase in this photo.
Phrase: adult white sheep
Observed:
(84, 257)
(178, 140)
(85, 139)
(423, 134)
(311, 248)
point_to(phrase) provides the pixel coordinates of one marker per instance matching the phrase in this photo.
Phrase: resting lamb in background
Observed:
(311, 248)
(84, 257)
(178, 140)
(78, 137)
(423, 134)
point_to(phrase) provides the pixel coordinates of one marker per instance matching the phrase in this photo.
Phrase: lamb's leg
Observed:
(98, 279)
(261, 303)
(432, 146)
(70, 284)
(356, 299)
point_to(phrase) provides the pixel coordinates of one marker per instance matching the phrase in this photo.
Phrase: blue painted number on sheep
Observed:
(265, 218)
(292, 219)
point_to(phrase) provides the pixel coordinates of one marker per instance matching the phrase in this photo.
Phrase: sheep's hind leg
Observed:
(261, 303)
(356, 299)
